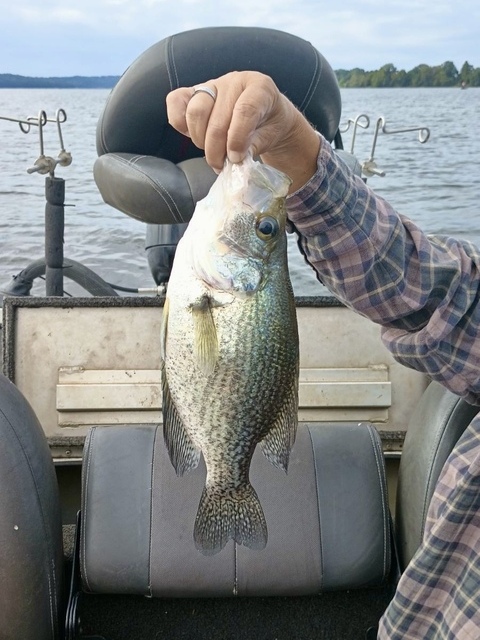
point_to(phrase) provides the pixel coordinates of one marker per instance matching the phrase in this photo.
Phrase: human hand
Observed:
(249, 113)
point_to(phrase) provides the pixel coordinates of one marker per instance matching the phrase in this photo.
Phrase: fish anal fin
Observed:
(278, 442)
(184, 455)
(229, 515)
(205, 335)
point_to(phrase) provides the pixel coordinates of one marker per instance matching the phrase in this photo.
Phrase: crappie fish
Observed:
(230, 350)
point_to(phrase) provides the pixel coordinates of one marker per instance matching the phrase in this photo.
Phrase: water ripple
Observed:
(436, 184)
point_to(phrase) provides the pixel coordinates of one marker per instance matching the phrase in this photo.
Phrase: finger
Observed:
(217, 128)
(244, 101)
(255, 118)
(241, 117)
(249, 113)
(198, 112)
(177, 102)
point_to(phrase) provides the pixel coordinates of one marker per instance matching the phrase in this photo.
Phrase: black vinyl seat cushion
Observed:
(328, 518)
(31, 549)
(435, 427)
(150, 171)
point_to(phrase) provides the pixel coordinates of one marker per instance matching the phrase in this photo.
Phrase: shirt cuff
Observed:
(320, 204)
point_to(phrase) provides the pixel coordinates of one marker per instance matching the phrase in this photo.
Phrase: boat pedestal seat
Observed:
(151, 172)
(328, 519)
(31, 550)
(436, 425)
(152, 189)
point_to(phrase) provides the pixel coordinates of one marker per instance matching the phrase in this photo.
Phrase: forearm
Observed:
(423, 291)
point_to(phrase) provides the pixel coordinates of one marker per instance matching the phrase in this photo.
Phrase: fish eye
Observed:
(267, 227)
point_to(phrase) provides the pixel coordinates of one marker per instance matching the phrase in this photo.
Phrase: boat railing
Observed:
(369, 166)
(54, 265)
(45, 164)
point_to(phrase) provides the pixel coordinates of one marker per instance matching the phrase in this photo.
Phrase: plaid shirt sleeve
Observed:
(424, 292)
(422, 289)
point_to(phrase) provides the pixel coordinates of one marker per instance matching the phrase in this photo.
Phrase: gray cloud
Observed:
(98, 37)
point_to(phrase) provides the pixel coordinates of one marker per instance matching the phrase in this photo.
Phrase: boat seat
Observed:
(31, 550)
(435, 427)
(151, 172)
(328, 518)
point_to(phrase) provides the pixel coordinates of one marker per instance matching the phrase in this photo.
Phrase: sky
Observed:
(102, 37)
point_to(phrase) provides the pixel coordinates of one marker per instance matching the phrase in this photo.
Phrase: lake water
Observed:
(437, 184)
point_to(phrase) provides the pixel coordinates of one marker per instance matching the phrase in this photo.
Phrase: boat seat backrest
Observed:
(151, 172)
(31, 550)
(328, 519)
(435, 426)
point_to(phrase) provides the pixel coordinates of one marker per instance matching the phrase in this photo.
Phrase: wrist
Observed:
(297, 155)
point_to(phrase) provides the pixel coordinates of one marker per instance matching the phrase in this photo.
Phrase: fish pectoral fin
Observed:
(278, 442)
(205, 336)
(184, 455)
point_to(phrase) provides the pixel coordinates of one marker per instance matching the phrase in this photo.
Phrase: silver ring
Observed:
(205, 89)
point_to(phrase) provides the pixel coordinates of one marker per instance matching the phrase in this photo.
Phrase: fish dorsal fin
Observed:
(205, 335)
(184, 455)
(278, 442)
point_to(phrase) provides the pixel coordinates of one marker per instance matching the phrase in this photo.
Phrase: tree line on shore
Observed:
(423, 75)
(12, 81)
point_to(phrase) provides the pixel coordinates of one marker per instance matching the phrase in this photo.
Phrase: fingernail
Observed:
(235, 156)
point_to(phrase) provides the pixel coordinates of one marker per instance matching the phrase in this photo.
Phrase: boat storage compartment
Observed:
(84, 362)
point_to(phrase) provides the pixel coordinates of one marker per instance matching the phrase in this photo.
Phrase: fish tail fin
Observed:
(229, 515)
